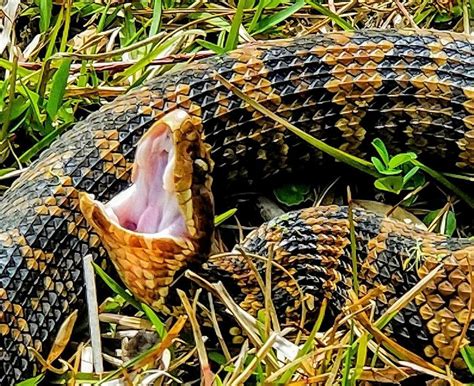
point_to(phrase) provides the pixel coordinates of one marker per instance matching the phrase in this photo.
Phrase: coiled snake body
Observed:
(415, 91)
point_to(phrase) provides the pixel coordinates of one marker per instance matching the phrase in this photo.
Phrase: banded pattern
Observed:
(313, 248)
(415, 91)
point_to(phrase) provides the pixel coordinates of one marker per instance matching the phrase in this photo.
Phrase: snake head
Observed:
(164, 220)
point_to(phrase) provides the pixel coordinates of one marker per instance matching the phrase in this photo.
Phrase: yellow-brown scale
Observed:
(311, 249)
(298, 79)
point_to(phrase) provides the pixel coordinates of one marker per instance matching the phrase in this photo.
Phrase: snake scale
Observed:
(415, 90)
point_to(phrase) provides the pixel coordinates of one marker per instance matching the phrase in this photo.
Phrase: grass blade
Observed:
(157, 323)
(445, 182)
(31, 381)
(233, 37)
(58, 88)
(40, 145)
(114, 286)
(349, 159)
(467, 353)
(160, 49)
(270, 21)
(219, 219)
(156, 18)
(331, 15)
(211, 46)
(256, 17)
(46, 9)
(338, 154)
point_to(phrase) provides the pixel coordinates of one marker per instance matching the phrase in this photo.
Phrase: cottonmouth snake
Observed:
(413, 90)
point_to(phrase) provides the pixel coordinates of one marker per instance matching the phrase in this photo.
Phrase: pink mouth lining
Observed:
(150, 205)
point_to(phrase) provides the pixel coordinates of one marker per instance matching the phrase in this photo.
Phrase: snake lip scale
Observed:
(134, 182)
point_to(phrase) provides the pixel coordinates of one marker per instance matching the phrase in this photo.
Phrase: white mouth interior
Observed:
(150, 204)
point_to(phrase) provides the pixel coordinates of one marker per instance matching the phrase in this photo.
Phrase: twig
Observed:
(405, 13)
(262, 353)
(206, 372)
(93, 312)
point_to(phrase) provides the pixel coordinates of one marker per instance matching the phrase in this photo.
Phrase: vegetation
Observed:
(63, 59)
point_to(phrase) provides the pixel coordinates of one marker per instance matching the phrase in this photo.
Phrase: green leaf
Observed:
(331, 15)
(408, 176)
(401, 159)
(443, 17)
(233, 37)
(393, 184)
(114, 286)
(211, 46)
(382, 150)
(219, 219)
(46, 9)
(156, 19)
(467, 353)
(58, 88)
(31, 381)
(391, 172)
(40, 145)
(113, 304)
(217, 357)
(428, 219)
(19, 106)
(456, 10)
(378, 164)
(292, 194)
(450, 221)
(451, 224)
(157, 323)
(277, 18)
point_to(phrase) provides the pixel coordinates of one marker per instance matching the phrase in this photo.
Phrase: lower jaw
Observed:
(146, 264)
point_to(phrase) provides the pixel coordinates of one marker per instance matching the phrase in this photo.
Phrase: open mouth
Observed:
(150, 204)
(163, 221)
(144, 228)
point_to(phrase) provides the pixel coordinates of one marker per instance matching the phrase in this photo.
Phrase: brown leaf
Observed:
(62, 338)
(397, 214)
(386, 375)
